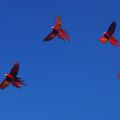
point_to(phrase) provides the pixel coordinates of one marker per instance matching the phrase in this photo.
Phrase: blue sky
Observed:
(74, 80)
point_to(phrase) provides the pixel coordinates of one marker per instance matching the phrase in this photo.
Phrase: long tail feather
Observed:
(18, 83)
(114, 42)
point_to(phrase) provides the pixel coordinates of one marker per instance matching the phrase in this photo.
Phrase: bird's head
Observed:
(104, 32)
(6, 75)
(9, 76)
(52, 27)
(107, 35)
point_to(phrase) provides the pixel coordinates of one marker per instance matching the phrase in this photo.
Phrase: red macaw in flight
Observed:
(12, 78)
(108, 36)
(119, 74)
(57, 31)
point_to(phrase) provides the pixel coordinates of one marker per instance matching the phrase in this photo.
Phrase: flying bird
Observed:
(57, 31)
(108, 35)
(119, 74)
(11, 78)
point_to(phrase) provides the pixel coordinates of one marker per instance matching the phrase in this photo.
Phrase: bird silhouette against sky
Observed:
(12, 78)
(57, 31)
(108, 36)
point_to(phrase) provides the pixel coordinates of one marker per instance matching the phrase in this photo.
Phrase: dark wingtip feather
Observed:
(112, 28)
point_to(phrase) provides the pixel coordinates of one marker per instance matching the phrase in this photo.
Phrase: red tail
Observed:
(18, 83)
(114, 42)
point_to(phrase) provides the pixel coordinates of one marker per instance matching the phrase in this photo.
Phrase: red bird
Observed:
(108, 36)
(12, 78)
(119, 74)
(57, 31)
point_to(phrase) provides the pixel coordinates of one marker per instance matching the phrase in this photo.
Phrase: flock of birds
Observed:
(11, 77)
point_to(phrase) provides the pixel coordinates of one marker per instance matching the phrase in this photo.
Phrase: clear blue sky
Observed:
(65, 81)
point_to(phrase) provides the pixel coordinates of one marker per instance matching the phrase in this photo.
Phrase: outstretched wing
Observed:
(51, 35)
(58, 23)
(62, 34)
(103, 39)
(14, 70)
(4, 83)
(112, 28)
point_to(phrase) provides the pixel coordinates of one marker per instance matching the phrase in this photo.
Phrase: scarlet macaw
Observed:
(119, 74)
(12, 78)
(108, 36)
(57, 31)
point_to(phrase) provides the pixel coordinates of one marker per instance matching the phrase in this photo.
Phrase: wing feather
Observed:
(62, 34)
(14, 70)
(51, 36)
(112, 28)
(4, 83)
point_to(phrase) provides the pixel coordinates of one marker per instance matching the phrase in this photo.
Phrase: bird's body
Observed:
(57, 31)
